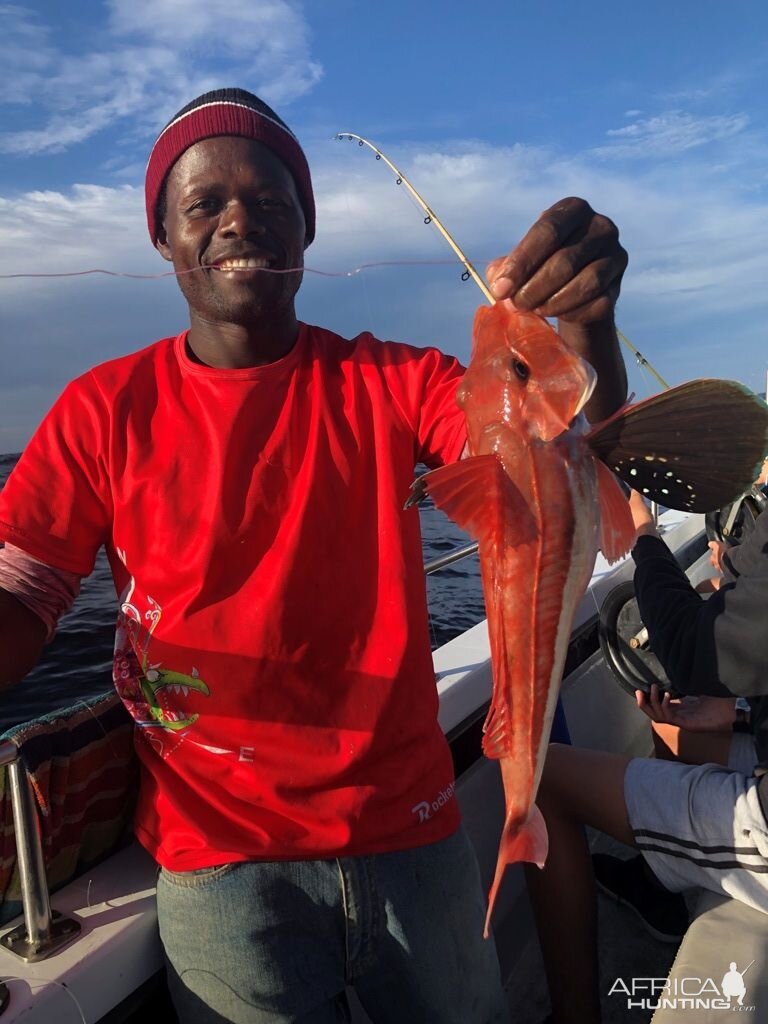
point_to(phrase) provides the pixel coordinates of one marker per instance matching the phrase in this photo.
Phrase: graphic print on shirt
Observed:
(150, 692)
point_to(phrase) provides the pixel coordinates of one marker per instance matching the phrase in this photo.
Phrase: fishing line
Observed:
(591, 592)
(425, 506)
(642, 362)
(50, 981)
(365, 287)
(264, 270)
(103, 728)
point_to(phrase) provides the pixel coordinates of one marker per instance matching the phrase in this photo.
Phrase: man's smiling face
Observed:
(232, 209)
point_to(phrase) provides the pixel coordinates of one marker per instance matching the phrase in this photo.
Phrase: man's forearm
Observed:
(717, 647)
(22, 635)
(33, 597)
(598, 343)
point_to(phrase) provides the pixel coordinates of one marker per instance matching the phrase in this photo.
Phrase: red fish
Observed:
(541, 502)
(530, 493)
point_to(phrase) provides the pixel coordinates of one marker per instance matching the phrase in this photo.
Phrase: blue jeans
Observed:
(269, 943)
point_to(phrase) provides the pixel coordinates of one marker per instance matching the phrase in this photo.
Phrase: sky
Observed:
(654, 112)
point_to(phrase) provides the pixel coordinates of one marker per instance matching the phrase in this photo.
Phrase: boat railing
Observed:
(44, 931)
(447, 559)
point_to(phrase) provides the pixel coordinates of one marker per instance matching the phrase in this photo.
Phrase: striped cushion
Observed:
(84, 775)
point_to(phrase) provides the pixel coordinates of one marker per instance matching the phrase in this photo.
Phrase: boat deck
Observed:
(625, 950)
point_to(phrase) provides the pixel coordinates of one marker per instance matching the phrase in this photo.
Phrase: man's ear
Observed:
(161, 244)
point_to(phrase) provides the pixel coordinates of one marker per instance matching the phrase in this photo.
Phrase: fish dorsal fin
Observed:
(479, 496)
(695, 447)
(617, 529)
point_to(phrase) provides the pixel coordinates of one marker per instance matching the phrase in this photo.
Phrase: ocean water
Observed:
(78, 662)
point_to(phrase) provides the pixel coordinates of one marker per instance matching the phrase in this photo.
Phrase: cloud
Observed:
(86, 226)
(718, 84)
(710, 242)
(267, 41)
(672, 132)
(695, 283)
(155, 55)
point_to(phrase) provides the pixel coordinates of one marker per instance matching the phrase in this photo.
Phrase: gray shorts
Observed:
(702, 825)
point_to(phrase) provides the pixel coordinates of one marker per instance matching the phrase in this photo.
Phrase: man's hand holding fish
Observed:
(570, 265)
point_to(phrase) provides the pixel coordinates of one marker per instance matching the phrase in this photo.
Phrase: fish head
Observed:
(523, 374)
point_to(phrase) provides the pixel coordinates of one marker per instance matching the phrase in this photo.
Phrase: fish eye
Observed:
(522, 370)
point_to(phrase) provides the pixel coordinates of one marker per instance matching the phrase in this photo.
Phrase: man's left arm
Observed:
(569, 265)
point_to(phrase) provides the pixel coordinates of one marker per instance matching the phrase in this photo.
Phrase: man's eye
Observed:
(204, 205)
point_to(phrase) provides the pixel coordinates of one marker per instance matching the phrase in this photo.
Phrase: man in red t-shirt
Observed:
(247, 480)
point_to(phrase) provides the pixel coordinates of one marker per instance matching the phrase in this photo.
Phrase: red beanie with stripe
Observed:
(226, 112)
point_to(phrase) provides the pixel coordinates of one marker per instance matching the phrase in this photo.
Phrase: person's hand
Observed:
(709, 585)
(641, 516)
(716, 551)
(569, 265)
(697, 714)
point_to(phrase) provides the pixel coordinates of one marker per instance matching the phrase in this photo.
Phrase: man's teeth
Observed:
(249, 264)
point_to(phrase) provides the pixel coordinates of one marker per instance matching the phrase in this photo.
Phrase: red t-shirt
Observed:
(272, 643)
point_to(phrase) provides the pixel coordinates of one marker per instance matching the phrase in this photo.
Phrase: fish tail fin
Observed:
(530, 843)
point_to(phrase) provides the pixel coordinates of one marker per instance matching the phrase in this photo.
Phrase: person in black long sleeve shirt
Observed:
(695, 825)
(719, 646)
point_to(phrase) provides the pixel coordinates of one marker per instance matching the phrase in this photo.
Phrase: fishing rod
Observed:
(641, 360)
(431, 218)
(469, 269)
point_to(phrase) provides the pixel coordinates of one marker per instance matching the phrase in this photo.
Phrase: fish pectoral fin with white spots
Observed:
(479, 496)
(617, 529)
(694, 448)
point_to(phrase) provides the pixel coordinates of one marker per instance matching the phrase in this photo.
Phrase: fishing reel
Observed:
(624, 643)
